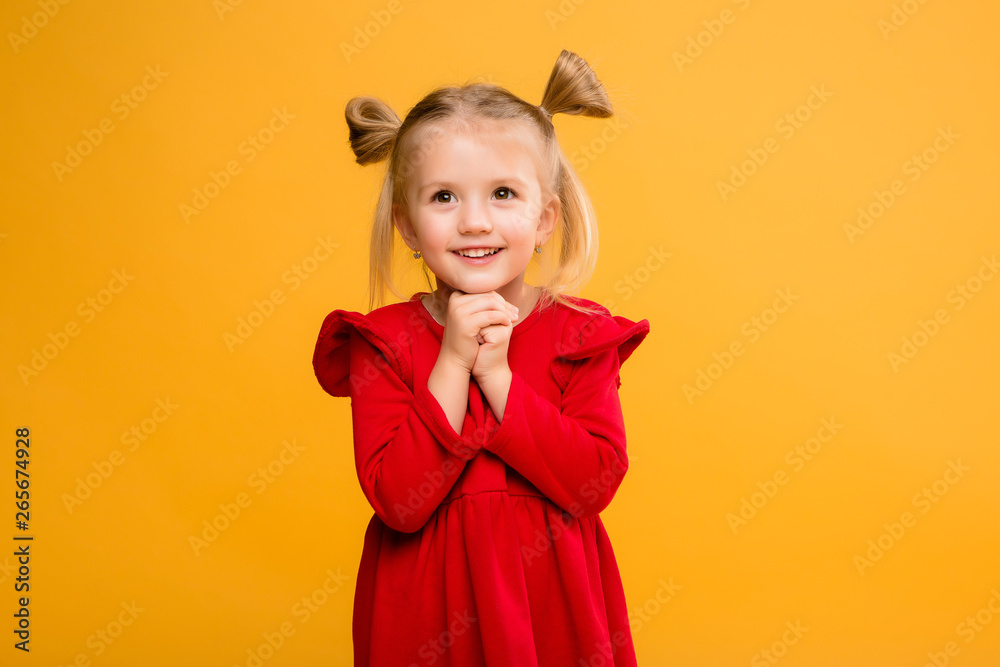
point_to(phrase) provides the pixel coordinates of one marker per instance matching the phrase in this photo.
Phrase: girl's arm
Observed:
(407, 450)
(574, 455)
(450, 385)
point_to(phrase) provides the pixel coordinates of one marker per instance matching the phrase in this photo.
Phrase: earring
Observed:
(538, 249)
(416, 255)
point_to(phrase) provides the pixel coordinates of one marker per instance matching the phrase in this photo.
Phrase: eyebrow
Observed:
(447, 185)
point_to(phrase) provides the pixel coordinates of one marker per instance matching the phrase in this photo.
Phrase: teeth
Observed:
(476, 253)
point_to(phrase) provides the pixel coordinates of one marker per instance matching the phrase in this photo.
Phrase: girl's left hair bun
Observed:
(373, 126)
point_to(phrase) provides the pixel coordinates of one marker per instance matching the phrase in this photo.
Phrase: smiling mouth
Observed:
(478, 252)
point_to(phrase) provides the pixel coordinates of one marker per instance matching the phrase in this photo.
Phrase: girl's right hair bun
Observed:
(573, 88)
(373, 126)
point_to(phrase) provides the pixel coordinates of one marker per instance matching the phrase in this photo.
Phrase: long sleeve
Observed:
(574, 455)
(406, 452)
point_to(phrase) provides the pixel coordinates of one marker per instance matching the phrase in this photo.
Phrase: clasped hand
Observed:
(477, 333)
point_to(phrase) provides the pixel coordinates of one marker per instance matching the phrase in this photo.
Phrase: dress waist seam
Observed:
(504, 491)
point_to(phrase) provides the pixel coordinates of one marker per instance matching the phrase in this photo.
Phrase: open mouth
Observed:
(478, 252)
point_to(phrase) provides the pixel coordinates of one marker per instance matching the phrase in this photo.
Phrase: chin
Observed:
(479, 286)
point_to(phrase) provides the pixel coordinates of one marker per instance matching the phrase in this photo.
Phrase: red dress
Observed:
(486, 547)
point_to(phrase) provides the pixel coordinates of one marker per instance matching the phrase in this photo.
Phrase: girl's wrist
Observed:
(501, 378)
(451, 367)
(495, 388)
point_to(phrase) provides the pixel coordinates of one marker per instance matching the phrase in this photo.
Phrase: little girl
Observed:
(488, 432)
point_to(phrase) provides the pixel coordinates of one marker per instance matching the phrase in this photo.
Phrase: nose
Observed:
(474, 217)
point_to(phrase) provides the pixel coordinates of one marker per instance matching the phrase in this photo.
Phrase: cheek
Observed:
(432, 231)
(524, 220)
(523, 245)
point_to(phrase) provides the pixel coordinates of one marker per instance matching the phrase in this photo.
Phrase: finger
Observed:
(494, 333)
(489, 318)
(488, 301)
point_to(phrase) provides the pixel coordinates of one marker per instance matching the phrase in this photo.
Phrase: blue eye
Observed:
(509, 193)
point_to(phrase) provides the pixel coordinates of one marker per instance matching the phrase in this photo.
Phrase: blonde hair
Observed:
(376, 133)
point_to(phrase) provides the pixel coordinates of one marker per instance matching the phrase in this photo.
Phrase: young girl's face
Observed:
(476, 209)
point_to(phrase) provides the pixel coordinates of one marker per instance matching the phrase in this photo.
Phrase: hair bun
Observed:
(373, 126)
(573, 88)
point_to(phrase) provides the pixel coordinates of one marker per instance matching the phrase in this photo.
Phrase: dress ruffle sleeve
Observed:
(331, 357)
(407, 454)
(574, 453)
(600, 333)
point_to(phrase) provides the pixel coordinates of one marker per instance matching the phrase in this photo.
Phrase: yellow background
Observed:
(653, 172)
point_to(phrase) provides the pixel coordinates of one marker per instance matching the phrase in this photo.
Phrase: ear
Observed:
(547, 220)
(401, 220)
